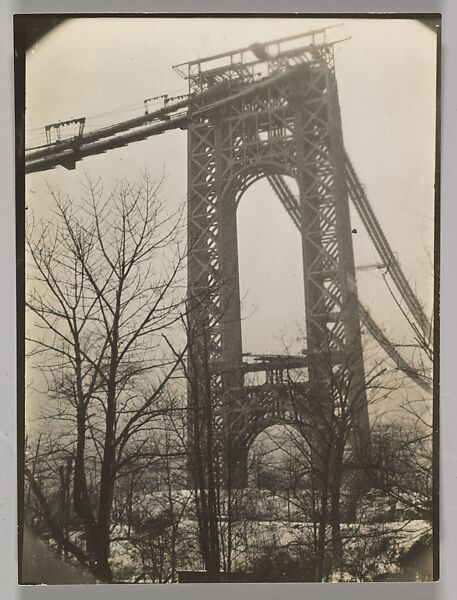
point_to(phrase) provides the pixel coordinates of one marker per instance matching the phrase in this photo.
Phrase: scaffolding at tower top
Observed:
(259, 60)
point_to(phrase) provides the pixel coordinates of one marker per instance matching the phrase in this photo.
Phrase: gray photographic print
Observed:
(227, 232)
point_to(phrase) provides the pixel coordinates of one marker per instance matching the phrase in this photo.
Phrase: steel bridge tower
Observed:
(283, 119)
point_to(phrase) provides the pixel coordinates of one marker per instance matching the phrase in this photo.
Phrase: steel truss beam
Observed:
(174, 115)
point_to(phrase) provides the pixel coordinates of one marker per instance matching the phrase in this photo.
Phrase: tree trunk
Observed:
(106, 499)
(321, 538)
(335, 518)
(81, 500)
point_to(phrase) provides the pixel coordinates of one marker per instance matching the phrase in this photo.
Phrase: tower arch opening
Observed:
(271, 272)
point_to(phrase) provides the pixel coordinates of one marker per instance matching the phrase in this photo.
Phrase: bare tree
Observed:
(403, 462)
(103, 285)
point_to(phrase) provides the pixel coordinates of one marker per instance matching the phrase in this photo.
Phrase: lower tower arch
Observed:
(279, 459)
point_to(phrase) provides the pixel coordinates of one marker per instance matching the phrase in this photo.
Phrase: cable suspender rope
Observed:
(366, 214)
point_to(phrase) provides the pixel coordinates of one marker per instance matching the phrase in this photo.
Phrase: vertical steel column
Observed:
(319, 262)
(310, 235)
(197, 314)
(350, 305)
(235, 467)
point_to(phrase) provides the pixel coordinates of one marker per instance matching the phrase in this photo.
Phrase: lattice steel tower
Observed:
(278, 116)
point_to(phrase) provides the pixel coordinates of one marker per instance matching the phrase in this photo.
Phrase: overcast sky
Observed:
(386, 78)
